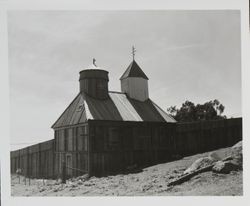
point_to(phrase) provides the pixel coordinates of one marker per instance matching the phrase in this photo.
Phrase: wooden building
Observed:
(102, 132)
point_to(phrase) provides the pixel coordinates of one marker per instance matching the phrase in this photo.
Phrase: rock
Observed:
(89, 184)
(237, 150)
(236, 154)
(200, 163)
(224, 167)
(237, 162)
(214, 155)
(228, 158)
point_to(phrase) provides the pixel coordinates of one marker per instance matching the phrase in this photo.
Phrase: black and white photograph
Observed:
(125, 103)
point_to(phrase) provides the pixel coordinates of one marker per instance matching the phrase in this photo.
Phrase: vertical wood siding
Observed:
(110, 147)
(135, 87)
(143, 144)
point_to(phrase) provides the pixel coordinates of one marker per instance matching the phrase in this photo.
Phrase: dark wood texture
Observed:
(109, 147)
(94, 82)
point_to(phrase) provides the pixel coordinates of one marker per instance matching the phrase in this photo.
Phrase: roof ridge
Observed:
(156, 105)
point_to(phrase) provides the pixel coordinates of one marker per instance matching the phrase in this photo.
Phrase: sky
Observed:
(187, 55)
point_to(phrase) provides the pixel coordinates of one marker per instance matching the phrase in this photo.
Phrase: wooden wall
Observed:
(106, 147)
(117, 146)
(196, 137)
(135, 88)
(35, 161)
(71, 146)
(94, 82)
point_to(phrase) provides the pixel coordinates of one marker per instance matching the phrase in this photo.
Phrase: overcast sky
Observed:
(187, 55)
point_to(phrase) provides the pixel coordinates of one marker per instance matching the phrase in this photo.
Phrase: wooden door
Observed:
(69, 165)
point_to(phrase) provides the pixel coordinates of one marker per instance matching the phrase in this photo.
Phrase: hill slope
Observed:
(151, 181)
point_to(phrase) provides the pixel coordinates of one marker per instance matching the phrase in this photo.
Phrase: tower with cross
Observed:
(134, 81)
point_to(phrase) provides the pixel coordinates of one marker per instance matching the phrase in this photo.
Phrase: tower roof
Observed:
(133, 70)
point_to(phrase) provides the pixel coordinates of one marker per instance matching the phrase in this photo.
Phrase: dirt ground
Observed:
(152, 181)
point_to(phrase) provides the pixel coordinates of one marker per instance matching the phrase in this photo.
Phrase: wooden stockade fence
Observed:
(38, 161)
(197, 137)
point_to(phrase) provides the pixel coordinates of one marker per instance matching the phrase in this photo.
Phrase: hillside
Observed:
(151, 181)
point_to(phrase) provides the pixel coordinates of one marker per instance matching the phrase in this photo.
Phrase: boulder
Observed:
(237, 148)
(236, 154)
(224, 167)
(214, 155)
(200, 163)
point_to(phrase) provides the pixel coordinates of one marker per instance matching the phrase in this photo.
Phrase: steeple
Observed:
(134, 70)
(134, 81)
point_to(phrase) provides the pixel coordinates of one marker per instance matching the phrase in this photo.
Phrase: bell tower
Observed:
(134, 81)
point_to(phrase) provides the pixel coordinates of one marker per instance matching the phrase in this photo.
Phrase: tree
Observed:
(190, 112)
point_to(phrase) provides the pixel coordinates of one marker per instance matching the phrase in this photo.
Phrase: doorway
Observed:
(69, 165)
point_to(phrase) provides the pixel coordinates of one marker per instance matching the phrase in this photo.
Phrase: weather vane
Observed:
(133, 52)
(94, 60)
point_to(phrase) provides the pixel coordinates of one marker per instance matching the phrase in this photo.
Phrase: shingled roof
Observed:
(133, 70)
(118, 107)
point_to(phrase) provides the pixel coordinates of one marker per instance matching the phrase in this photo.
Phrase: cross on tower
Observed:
(133, 52)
